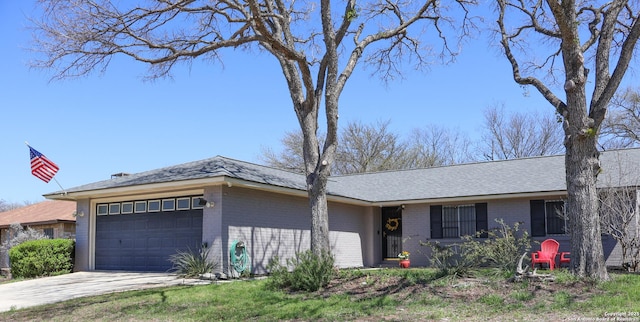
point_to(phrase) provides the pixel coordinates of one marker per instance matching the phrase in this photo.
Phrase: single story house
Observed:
(54, 218)
(135, 222)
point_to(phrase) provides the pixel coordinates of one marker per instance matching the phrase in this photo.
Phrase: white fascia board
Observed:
(153, 188)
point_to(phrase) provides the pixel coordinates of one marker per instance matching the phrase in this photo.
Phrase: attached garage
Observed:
(144, 241)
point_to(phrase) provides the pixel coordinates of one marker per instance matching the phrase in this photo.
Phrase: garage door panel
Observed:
(148, 240)
(168, 242)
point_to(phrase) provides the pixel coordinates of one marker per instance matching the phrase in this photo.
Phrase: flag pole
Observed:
(61, 188)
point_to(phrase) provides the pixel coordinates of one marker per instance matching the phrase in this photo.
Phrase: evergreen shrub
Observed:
(43, 257)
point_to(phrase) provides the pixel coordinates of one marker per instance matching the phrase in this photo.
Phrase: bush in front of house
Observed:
(44, 257)
(305, 272)
(500, 249)
(455, 259)
(190, 263)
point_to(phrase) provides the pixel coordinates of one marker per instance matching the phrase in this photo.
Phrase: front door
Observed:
(391, 232)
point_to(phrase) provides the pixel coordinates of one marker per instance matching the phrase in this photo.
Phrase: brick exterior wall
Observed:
(275, 224)
(279, 225)
(416, 228)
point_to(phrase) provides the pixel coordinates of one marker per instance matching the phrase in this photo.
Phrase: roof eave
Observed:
(137, 189)
(43, 222)
(444, 200)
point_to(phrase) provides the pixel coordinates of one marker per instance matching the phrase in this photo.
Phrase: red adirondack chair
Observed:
(546, 254)
(565, 258)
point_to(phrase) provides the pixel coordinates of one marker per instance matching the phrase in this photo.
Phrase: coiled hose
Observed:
(238, 256)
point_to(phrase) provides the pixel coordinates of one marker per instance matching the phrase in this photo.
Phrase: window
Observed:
(127, 207)
(183, 203)
(459, 220)
(154, 206)
(168, 204)
(196, 202)
(547, 218)
(556, 223)
(103, 209)
(114, 209)
(140, 206)
(48, 232)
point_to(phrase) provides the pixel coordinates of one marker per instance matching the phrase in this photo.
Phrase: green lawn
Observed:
(391, 294)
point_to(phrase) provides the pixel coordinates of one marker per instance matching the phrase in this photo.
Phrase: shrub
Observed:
(309, 272)
(453, 259)
(191, 263)
(502, 248)
(43, 257)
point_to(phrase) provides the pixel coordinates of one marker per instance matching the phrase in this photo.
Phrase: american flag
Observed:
(41, 167)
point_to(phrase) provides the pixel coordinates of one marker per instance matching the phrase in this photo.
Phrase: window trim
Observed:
(111, 205)
(135, 207)
(458, 221)
(173, 204)
(538, 218)
(128, 203)
(437, 220)
(564, 219)
(104, 207)
(195, 202)
(183, 199)
(155, 201)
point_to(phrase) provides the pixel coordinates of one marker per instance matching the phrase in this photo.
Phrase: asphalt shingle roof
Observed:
(208, 168)
(38, 213)
(537, 174)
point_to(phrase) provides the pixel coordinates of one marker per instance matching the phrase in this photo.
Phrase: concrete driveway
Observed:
(54, 289)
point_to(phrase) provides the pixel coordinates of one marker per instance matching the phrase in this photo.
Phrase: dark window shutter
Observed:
(537, 218)
(436, 222)
(482, 223)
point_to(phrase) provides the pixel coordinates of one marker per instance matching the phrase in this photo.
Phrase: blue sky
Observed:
(114, 122)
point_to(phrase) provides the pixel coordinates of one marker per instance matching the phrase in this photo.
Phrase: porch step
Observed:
(389, 264)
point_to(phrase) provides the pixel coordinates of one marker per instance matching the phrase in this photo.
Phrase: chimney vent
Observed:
(119, 175)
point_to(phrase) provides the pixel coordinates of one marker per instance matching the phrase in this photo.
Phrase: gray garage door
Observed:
(144, 242)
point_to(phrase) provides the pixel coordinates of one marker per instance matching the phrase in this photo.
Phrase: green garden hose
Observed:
(238, 256)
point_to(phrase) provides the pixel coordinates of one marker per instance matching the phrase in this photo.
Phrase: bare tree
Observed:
(583, 36)
(621, 126)
(308, 39)
(373, 147)
(434, 145)
(368, 148)
(290, 158)
(619, 218)
(620, 207)
(6, 206)
(519, 135)
(361, 148)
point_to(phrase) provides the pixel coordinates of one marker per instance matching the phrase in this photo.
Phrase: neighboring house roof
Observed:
(491, 178)
(42, 213)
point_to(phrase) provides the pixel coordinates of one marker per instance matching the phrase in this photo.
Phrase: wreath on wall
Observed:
(392, 224)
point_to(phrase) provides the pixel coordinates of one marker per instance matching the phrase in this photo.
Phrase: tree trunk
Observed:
(319, 217)
(317, 165)
(582, 167)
